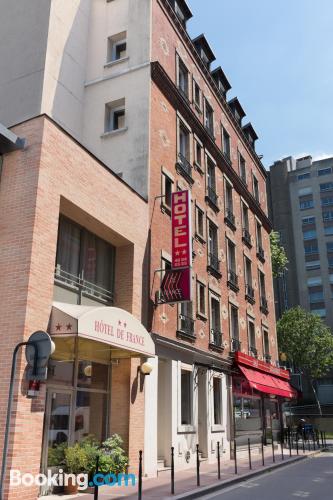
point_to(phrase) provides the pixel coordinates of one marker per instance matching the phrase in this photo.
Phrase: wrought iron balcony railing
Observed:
(261, 253)
(233, 280)
(214, 264)
(253, 351)
(230, 218)
(263, 304)
(249, 293)
(235, 345)
(184, 167)
(268, 358)
(246, 237)
(186, 325)
(216, 338)
(212, 197)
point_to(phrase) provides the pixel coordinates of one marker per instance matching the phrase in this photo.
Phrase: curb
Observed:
(206, 490)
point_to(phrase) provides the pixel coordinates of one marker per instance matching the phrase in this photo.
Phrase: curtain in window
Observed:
(68, 256)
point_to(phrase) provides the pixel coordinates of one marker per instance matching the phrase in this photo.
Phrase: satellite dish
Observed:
(45, 348)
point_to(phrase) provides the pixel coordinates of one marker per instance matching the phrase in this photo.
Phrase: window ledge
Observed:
(186, 429)
(165, 209)
(200, 238)
(217, 428)
(117, 61)
(114, 132)
(203, 317)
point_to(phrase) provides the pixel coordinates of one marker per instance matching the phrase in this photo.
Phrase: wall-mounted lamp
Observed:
(146, 368)
(87, 370)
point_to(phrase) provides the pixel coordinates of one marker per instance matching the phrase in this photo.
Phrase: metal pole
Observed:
(282, 455)
(303, 442)
(96, 486)
(172, 470)
(249, 447)
(262, 450)
(314, 442)
(325, 439)
(218, 461)
(198, 466)
(297, 445)
(9, 409)
(322, 438)
(235, 456)
(289, 444)
(273, 452)
(140, 476)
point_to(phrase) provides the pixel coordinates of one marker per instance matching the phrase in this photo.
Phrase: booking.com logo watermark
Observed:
(63, 479)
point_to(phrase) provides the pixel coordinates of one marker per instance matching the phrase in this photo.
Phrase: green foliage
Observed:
(307, 342)
(81, 457)
(56, 455)
(278, 255)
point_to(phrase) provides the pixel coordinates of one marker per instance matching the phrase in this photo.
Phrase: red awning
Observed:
(268, 383)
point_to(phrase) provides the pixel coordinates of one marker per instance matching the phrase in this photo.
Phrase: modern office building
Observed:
(120, 109)
(300, 193)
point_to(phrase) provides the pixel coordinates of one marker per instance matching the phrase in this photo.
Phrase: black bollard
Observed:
(140, 476)
(297, 451)
(235, 454)
(282, 455)
(198, 466)
(249, 448)
(218, 461)
(309, 444)
(322, 438)
(314, 441)
(96, 472)
(262, 450)
(317, 438)
(172, 470)
(273, 451)
(289, 438)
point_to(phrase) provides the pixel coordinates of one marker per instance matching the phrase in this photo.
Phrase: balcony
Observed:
(184, 167)
(216, 340)
(235, 345)
(229, 219)
(261, 254)
(268, 358)
(263, 305)
(82, 287)
(214, 265)
(233, 280)
(249, 294)
(253, 351)
(186, 327)
(212, 198)
(246, 238)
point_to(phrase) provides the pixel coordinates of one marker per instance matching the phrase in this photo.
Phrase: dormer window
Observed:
(221, 81)
(182, 10)
(237, 110)
(205, 52)
(250, 134)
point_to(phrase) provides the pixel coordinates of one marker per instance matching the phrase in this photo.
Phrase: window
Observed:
(167, 188)
(326, 186)
(215, 321)
(217, 395)
(252, 338)
(211, 183)
(316, 281)
(311, 249)
(327, 216)
(209, 118)
(117, 47)
(329, 246)
(213, 245)
(308, 220)
(186, 392)
(186, 321)
(242, 167)
(165, 265)
(231, 248)
(115, 116)
(315, 297)
(183, 78)
(319, 312)
(305, 191)
(184, 142)
(324, 171)
(256, 188)
(200, 223)
(266, 343)
(201, 299)
(306, 204)
(81, 255)
(312, 265)
(310, 235)
(302, 177)
(328, 230)
(245, 217)
(330, 262)
(234, 327)
(262, 286)
(259, 236)
(226, 144)
(248, 271)
(228, 197)
(327, 202)
(197, 96)
(198, 154)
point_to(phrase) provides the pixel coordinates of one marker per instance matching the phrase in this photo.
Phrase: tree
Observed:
(278, 254)
(308, 344)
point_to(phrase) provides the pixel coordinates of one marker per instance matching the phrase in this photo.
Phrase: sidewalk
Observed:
(186, 481)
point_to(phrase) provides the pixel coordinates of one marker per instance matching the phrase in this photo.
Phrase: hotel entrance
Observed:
(90, 376)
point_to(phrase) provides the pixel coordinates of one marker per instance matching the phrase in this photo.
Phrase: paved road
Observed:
(311, 478)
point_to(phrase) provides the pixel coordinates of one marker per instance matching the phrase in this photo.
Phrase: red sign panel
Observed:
(176, 286)
(244, 359)
(181, 230)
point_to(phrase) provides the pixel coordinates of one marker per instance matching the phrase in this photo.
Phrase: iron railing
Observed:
(261, 253)
(246, 237)
(230, 217)
(212, 196)
(233, 280)
(263, 304)
(80, 285)
(235, 345)
(216, 337)
(184, 166)
(268, 358)
(249, 293)
(253, 351)
(186, 325)
(213, 262)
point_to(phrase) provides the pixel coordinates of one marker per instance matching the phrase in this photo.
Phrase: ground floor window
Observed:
(217, 392)
(186, 397)
(248, 413)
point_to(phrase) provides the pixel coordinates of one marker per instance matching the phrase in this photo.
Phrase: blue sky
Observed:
(278, 57)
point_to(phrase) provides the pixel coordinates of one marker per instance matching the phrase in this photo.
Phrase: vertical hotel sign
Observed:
(181, 230)
(177, 281)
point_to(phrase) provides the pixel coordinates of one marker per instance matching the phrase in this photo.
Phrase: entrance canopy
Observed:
(110, 325)
(268, 383)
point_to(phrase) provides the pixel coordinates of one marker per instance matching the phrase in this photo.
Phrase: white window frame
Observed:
(113, 42)
(201, 314)
(213, 295)
(186, 428)
(202, 236)
(110, 109)
(206, 101)
(166, 175)
(198, 106)
(179, 62)
(217, 427)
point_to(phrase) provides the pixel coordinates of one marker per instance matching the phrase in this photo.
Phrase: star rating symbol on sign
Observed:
(58, 327)
(69, 326)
